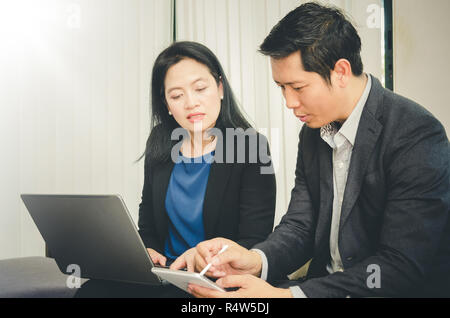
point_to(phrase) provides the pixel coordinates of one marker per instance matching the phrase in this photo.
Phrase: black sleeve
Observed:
(291, 244)
(146, 222)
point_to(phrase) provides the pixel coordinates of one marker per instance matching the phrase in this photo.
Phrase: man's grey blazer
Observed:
(395, 213)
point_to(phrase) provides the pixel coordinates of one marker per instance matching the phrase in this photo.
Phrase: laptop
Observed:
(95, 232)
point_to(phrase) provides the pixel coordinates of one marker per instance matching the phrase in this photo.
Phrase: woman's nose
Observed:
(191, 101)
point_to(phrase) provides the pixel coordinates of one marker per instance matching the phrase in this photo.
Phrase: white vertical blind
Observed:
(74, 99)
(234, 29)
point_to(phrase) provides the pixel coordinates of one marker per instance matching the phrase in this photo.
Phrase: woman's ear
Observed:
(220, 88)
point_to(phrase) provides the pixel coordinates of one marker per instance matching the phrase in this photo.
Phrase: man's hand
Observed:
(156, 257)
(249, 287)
(236, 260)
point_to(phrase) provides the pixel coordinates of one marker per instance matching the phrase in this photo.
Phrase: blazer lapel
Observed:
(217, 183)
(219, 175)
(369, 130)
(322, 235)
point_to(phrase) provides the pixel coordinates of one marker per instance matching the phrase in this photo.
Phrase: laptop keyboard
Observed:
(161, 266)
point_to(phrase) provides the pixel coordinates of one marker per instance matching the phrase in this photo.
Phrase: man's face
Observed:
(312, 100)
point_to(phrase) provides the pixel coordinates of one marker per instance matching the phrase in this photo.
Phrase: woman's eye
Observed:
(176, 97)
(201, 89)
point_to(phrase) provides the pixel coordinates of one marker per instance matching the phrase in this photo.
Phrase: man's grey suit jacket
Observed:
(395, 212)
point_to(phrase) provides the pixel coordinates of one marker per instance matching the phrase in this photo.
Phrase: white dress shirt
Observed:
(341, 141)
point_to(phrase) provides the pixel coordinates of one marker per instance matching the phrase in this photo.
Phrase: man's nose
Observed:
(292, 100)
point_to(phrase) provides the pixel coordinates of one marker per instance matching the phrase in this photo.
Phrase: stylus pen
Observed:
(209, 265)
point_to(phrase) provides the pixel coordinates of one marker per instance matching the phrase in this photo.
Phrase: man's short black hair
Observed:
(322, 34)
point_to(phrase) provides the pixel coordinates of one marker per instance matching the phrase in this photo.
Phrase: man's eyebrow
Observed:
(193, 82)
(290, 83)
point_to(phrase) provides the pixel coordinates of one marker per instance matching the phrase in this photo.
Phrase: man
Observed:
(371, 200)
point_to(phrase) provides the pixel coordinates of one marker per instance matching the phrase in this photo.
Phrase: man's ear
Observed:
(342, 72)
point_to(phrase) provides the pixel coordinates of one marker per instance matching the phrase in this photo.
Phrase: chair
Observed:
(33, 277)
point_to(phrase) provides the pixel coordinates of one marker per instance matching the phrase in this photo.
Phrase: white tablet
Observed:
(182, 279)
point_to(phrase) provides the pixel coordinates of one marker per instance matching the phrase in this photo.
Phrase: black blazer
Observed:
(239, 201)
(395, 212)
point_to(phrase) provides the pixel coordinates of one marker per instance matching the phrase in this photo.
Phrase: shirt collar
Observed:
(350, 126)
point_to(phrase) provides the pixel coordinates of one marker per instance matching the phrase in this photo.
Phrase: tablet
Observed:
(182, 279)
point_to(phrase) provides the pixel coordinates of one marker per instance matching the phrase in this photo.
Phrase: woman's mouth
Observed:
(195, 117)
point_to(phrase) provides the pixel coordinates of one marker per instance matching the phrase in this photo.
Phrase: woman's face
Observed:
(193, 96)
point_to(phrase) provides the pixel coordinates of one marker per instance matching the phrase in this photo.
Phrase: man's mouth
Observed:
(303, 118)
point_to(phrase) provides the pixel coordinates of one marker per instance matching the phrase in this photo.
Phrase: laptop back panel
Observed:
(94, 232)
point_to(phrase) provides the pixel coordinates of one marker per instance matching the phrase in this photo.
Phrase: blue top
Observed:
(184, 204)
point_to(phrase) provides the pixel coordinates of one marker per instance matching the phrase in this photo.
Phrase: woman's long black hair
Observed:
(159, 143)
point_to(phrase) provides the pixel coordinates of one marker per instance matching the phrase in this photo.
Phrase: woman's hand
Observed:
(157, 258)
(186, 260)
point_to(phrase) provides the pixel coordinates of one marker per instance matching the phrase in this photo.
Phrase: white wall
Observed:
(74, 102)
(421, 54)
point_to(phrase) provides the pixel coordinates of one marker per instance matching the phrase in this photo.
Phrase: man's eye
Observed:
(297, 88)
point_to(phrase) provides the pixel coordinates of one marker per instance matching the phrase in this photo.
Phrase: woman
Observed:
(195, 199)
(196, 185)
